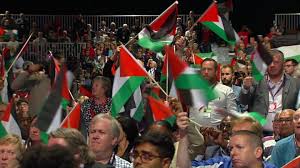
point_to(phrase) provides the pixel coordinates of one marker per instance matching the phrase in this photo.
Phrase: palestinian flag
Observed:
(199, 57)
(193, 89)
(9, 123)
(134, 107)
(44, 137)
(52, 112)
(166, 79)
(291, 52)
(85, 91)
(5, 34)
(218, 24)
(160, 110)
(260, 59)
(128, 78)
(161, 31)
(72, 120)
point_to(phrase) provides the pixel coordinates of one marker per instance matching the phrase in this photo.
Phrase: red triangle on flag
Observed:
(73, 119)
(2, 31)
(159, 109)
(177, 65)
(65, 88)
(211, 14)
(159, 21)
(198, 59)
(8, 111)
(84, 91)
(129, 66)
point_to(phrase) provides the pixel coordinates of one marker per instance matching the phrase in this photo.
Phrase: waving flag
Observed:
(128, 78)
(161, 31)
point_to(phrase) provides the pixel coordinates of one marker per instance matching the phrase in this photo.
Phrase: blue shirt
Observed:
(221, 162)
(284, 151)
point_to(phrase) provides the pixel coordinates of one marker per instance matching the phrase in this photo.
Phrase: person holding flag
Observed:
(275, 90)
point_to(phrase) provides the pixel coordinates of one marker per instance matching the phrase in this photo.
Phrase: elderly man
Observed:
(103, 138)
(288, 148)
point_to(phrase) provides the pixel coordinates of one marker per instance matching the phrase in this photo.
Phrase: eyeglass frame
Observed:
(142, 156)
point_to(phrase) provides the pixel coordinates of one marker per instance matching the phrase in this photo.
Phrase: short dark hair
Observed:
(295, 62)
(162, 141)
(48, 157)
(228, 66)
(210, 59)
(22, 101)
(129, 127)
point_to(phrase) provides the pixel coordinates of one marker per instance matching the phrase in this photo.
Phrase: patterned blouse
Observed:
(89, 109)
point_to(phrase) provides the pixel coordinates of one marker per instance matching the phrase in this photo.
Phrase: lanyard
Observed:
(280, 87)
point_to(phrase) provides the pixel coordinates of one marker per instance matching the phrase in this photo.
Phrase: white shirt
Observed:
(209, 116)
(275, 101)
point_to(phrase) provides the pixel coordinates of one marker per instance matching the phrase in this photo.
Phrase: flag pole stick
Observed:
(71, 95)
(68, 116)
(193, 57)
(16, 58)
(176, 2)
(201, 16)
(157, 84)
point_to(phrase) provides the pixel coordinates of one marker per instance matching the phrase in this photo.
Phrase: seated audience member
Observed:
(290, 66)
(104, 135)
(75, 141)
(153, 150)
(129, 132)
(246, 150)
(11, 150)
(48, 157)
(288, 148)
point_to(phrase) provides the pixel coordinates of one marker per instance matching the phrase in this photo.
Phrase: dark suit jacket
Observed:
(257, 98)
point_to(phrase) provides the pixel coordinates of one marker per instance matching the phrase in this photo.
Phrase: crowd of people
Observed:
(219, 134)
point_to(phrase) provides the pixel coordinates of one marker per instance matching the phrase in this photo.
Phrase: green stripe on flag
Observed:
(44, 137)
(205, 55)
(256, 74)
(296, 57)
(258, 117)
(154, 45)
(218, 30)
(194, 81)
(139, 113)
(64, 103)
(171, 120)
(3, 131)
(123, 94)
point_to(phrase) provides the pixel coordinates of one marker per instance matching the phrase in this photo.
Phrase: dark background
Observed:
(257, 14)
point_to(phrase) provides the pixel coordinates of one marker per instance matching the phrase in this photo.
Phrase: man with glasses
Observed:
(288, 148)
(290, 66)
(286, 123)
(153, 150)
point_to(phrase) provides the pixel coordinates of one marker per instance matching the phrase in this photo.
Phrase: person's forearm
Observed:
(183, 157)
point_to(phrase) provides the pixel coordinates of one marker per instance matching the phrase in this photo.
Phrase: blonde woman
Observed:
(11, 150)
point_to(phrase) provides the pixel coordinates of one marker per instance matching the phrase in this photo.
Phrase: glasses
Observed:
(144, 156)
(285, 120)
